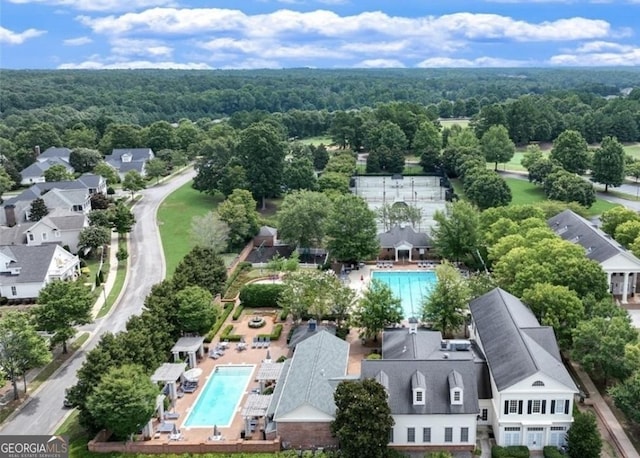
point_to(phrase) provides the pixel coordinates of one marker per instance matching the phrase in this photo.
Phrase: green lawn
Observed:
(315, 141)
(174, 220)
(451, 122)
(633, 150)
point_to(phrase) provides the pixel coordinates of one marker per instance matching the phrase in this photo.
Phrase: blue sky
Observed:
(205, 34)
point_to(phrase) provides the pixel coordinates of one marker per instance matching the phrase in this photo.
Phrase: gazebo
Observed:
(168, 374)
(189, 346)
(268, 371)
(254, 408)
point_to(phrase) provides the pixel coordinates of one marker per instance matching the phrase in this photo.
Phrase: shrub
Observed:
(4, 300)
(237, 312)
(219, 322)
(512, 451)
(282, 359)
(111, 191)
(374, 356)
(235, 281)
(85, 271)
(284, 314)
(275, 334)
(226, 334)
(122, 254)
(551, 452)
(261, 295)
(342, 333)
(101, 276)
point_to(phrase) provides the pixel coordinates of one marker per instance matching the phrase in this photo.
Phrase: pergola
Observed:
(268, 372)
(189, 346)
(254, 408)
(168, 374)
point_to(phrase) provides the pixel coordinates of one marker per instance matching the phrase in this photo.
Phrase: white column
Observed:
(625, 288)
(192, 359)
(396, 250)
(609, 285)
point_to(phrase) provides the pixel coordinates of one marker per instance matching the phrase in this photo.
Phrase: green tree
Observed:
(614, 217)
(627, 232)
(570, 150)
(446, 305)
(363, 419)
(122, 219)
(100, 218)
(160, 135)
(302, 218)
(351, 229)
(298, 174)
(377, 309)
(62, 306)
(261, 152)
(608, 163)
(334, 181)
(80, 136)
(196, 313)
(599, 344)
(626, 396)
(209, 231)
(133, 182)
(496, 145)
(427, 144)
(487, 189)
(155, 168)
(6, 183)
(100, 202)
(120, 136)
(41, 134)
(320, 157)
(456, 234)
(84, 159)
(632, 169)
(57, 172)
(240, 214)
(124, 400)
(540, 169)
(107, 172)
(201, 267)
(94, 237)
(308, 292)
(569, 187)
(21, 348)
(38, 209)
(555, 306)
(583, 438)
(532, 154)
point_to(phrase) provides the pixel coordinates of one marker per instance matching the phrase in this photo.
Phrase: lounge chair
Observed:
(166, 427)
(258, 342)
(254, 342)
(171, 415)
(267, 342)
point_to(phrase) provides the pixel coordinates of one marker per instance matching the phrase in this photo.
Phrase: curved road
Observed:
(146, 267)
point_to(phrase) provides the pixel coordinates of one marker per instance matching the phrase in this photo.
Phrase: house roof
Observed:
(90, 180)
(65, 197)
(38, 189)
(512, 351)
(187, 344)
(34, 261)
(267, 231)
(54, 151)
(14, 235)
(38, 168)
(137, 154)
(598, 245)
(65, 220)
(315, 362)
(168, 372)
(399, 234)
(436, 382)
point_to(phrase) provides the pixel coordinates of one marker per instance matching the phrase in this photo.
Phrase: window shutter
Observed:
(544, 406)
(566, 407)
(520, 407)
(506, 407)
(553, 406)
(529, 407)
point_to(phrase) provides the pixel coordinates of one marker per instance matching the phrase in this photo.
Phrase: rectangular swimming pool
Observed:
(219, 399)
(411, 287)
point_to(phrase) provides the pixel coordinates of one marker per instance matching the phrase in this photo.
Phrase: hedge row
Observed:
(552, 452)
(235, 281)
(238, 311)
(257, 295)
(226, 334)
(275, 333)
(512, 451)
(219, 322)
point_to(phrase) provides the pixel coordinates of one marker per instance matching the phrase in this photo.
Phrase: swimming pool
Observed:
(219, 399)
(411, 287)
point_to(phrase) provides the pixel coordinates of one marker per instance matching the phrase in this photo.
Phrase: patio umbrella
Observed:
(193, 374)
(215, 430)
(175, 429)
(268, 358)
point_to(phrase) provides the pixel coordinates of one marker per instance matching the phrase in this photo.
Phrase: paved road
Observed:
(44, 411)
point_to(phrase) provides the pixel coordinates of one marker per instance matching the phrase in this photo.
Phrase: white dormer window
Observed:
(456, 396)
(418, 397)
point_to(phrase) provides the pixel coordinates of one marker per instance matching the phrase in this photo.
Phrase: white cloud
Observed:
(140, 47)
(599, 53)
(450, 62)
(271, 49)
(101, 5)
(600, 46)
(77, 41)
(380, 63)
(14, 38)
(97, 65)
(252, 64)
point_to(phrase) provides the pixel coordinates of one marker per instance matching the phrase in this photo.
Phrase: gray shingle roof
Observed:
(66, 220)
(90, 180)
(34, 260)
(315, 362)
(418, 380)
(267, 231)
(574, 228)
(511, 353)
(55, 152)
(38, 189)
(14, 235)
(137, 154)
(399, 234)
(436, 374)
(37, 169)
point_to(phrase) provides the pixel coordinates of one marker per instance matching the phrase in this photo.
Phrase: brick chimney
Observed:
(10, 214)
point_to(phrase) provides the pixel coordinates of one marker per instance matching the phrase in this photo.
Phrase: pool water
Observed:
(220, 397)
(411, 287)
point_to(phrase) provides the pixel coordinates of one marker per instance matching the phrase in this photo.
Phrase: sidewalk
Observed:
(111, 276)
(618, 436)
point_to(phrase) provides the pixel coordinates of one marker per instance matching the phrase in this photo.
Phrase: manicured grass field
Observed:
(451, 122)
(174, 221)
(633, 150)
(322, 139)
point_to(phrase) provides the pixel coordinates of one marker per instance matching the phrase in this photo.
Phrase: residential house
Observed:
(302, 406)
(61, 227)
(267, 237)
(25, 270)
(403, 242)
(50, 157)
(621, 266)
(532, 391)
(68, 195)
(127, 159)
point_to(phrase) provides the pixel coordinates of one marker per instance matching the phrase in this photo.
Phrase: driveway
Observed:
(44, 411)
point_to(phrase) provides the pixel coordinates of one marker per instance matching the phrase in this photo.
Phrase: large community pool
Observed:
(220, 397)
(411, 287)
